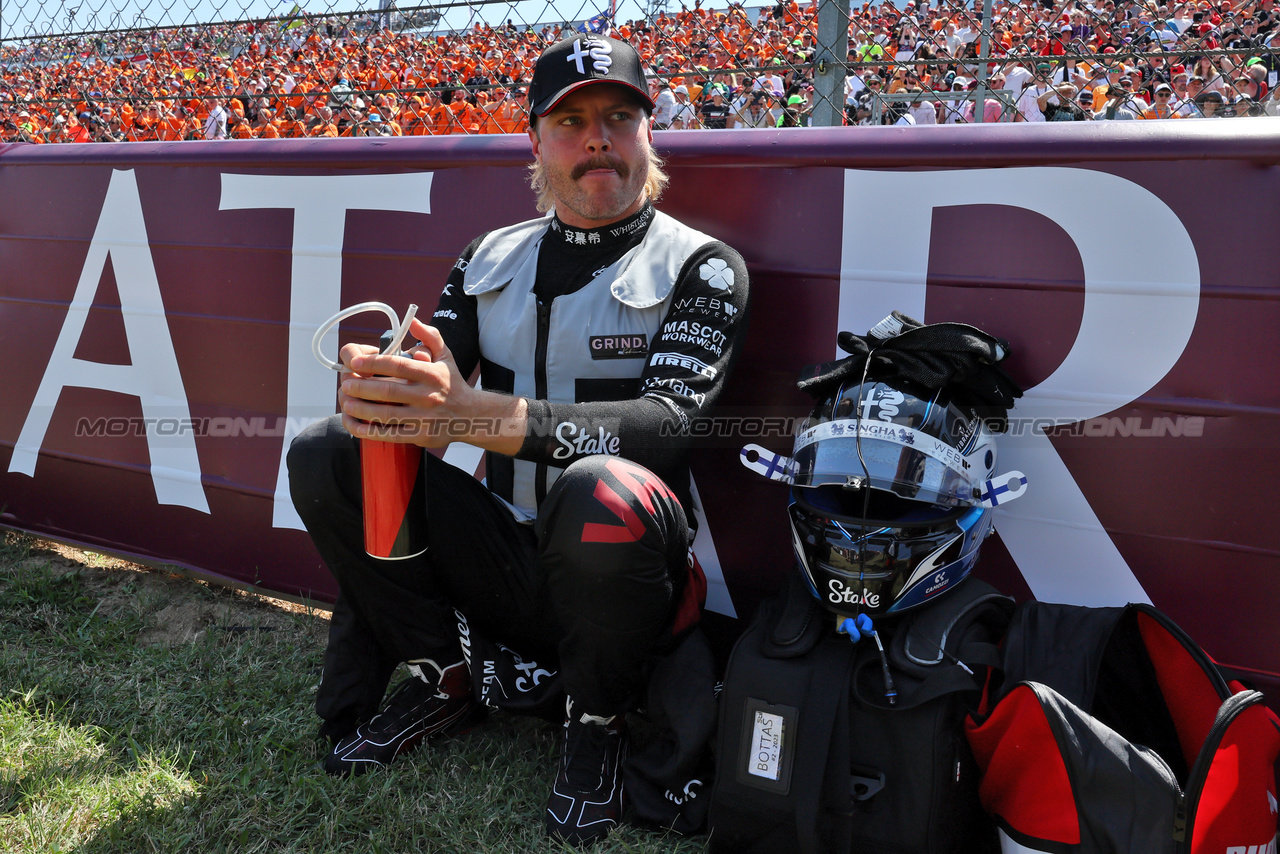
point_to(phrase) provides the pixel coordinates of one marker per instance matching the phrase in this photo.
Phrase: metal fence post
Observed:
(829, 63)
(984, 54)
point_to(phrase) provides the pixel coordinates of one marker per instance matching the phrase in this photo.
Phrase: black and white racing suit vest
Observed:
(544, 351)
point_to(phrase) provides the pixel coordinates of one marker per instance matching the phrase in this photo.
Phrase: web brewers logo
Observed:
(599, 51)
(706, 306)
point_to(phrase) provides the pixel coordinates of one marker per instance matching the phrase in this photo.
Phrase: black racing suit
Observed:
(596, 577)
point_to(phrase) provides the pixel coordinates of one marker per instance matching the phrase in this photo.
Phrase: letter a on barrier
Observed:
(121, 234)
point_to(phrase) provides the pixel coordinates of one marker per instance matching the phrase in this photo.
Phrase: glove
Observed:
(955, 356)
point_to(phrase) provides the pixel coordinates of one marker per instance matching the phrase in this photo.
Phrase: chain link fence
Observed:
(195, 69)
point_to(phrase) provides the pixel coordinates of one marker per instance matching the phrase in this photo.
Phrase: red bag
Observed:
(1115, 732)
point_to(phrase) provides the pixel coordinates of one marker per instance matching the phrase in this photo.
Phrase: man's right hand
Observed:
(422, 398)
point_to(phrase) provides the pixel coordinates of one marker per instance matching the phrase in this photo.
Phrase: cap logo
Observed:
(599, 51)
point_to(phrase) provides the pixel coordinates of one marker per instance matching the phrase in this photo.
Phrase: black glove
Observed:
(955, 356)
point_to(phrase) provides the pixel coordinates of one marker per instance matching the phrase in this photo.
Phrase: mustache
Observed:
(601, 162)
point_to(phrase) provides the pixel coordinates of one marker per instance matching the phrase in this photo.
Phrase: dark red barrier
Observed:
(1130, 264)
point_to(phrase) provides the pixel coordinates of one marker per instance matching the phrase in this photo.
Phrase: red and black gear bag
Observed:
(1112, 731)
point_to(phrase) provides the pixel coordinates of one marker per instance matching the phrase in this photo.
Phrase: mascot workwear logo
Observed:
(704, 335)
(599, 51)
(839, 594)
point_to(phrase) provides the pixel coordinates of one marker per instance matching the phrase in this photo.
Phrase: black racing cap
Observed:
(581, 60)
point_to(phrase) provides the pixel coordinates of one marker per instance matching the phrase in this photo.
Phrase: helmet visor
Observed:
(895, 458)
(885, 569)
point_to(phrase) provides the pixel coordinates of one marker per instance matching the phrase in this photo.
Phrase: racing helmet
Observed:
(886, 503)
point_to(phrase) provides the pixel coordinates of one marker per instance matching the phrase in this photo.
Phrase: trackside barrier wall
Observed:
(157, 303)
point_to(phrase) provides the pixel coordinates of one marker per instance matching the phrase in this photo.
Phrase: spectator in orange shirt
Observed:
(144, 124)
(291, 127)
(511, 114)
(264, 127)
(415, 117)
(462, 116)
(79, 130)
(170, 127)
(322, 124)
(1161, 108)
(238, 127)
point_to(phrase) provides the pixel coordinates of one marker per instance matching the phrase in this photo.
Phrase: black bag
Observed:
(812, 757)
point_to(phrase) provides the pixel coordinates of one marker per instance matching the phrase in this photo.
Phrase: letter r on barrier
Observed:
(1139, 311)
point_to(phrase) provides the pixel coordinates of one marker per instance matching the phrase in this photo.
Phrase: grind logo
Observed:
(618, 346)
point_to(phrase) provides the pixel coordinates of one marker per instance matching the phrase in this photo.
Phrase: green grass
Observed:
(112, 742)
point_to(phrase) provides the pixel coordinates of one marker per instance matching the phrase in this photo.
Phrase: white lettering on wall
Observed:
(1139, 311)
(153, 377)
(319, 204)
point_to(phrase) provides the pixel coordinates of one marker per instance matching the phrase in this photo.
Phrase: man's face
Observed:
(594, 147)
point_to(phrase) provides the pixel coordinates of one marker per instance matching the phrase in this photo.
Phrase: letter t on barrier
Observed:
(319, 204)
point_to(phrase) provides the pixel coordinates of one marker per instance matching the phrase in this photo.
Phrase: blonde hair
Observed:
(654, 184)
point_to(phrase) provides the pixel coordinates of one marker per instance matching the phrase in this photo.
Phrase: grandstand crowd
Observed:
(1090, 60)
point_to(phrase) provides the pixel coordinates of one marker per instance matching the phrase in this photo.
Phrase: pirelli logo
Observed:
(680, 360)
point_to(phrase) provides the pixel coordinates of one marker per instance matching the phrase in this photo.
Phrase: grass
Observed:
(122, 733)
